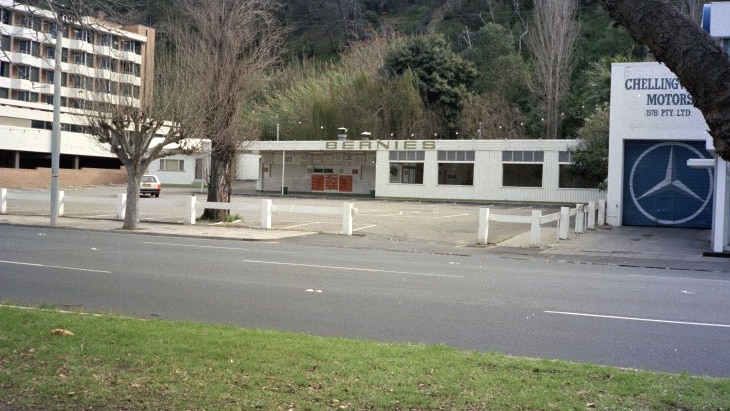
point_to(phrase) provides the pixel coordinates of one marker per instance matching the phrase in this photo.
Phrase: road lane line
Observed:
(55, 266)
(650, 320)
(371, 270)
(679, 278)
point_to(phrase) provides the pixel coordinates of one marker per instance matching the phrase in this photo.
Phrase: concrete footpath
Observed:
(653, 247)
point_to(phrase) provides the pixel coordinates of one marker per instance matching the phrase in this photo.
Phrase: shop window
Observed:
(522, 168)
(172, 165)
(461, 174)
(570, 179)
(406, 173)
(406, 167)
(456, 168)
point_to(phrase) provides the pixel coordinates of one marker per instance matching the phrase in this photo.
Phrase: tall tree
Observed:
(444, 78)
(699, 62)
(551, 41)
(141, 131)
(228, 45)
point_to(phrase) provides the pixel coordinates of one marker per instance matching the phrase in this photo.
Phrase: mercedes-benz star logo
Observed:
(672, 182)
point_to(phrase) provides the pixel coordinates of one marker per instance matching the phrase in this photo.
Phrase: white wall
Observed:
(636, 91)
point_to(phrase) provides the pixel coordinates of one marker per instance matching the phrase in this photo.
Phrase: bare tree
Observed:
(699, 62)
(227, 45)
(140, 131)
(551, 40)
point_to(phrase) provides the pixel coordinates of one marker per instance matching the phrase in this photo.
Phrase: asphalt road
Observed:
(638, 318)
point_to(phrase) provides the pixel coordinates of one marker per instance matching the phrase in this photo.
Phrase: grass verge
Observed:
(127, 364)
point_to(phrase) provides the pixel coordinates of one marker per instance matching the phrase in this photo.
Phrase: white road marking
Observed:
(679, 278)
(650, 320)
(196, 246)
(371, 270)
(363, 228)
(449, 216)
(302, 225)
(55, 266)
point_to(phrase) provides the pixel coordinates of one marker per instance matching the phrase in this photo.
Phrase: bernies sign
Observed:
(381, 145)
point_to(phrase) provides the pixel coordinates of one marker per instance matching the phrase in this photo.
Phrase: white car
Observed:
(150, 185)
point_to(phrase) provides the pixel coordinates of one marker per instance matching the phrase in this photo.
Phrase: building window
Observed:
(522, 168)
(456, 168)
(570, 179)
(5, 16)
(5, 43)
(4, 69)
(4, 92)
(172, 165)
(105, 62)
(406, 167)
(28, 73)
(27, 96)
(29, 22)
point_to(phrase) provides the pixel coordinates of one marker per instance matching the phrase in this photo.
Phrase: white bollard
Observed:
(579, 219)
(266, 214)
(591, 215)
(601, 212)
(121, 205)
(564, 224)
(535, 228)
(61, 203)
(483, 233)
(348, 212)
(3, 200)
(190, 216)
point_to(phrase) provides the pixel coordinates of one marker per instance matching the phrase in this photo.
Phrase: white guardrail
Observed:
(587, 216)
(265, 207)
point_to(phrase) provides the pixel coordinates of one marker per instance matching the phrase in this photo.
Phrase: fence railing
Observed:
(586, 216)
(190, 204)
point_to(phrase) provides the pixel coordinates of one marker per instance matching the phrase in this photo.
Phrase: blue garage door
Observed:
(659, 188)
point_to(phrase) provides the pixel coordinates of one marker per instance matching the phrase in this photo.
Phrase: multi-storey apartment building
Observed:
(101, 62)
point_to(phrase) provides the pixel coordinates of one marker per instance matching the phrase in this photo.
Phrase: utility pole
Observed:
(56, 129)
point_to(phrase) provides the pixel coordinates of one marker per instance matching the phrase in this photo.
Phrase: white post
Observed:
(121, 205)
(266, 214)
(564, 224)
(61, 203)
(348, 212)
(579, 219)
(602, 212)
(56, 124)
(283, 168)
(591, 215)
(190, 216)
(3, 200)
(483, 233)
(535, 228)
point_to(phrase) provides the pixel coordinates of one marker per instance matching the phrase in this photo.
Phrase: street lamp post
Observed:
(56, 128)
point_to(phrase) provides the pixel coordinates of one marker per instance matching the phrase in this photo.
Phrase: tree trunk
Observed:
(701, 65)
(131, 213)
(219, 186)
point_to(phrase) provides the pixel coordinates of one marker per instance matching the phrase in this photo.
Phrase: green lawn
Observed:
(129, 364)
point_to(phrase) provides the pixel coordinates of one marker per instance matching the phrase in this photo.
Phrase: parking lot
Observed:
(454, 223)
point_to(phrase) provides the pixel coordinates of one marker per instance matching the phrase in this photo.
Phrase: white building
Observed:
(663, 170)
(101, 61)
(479, 170)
